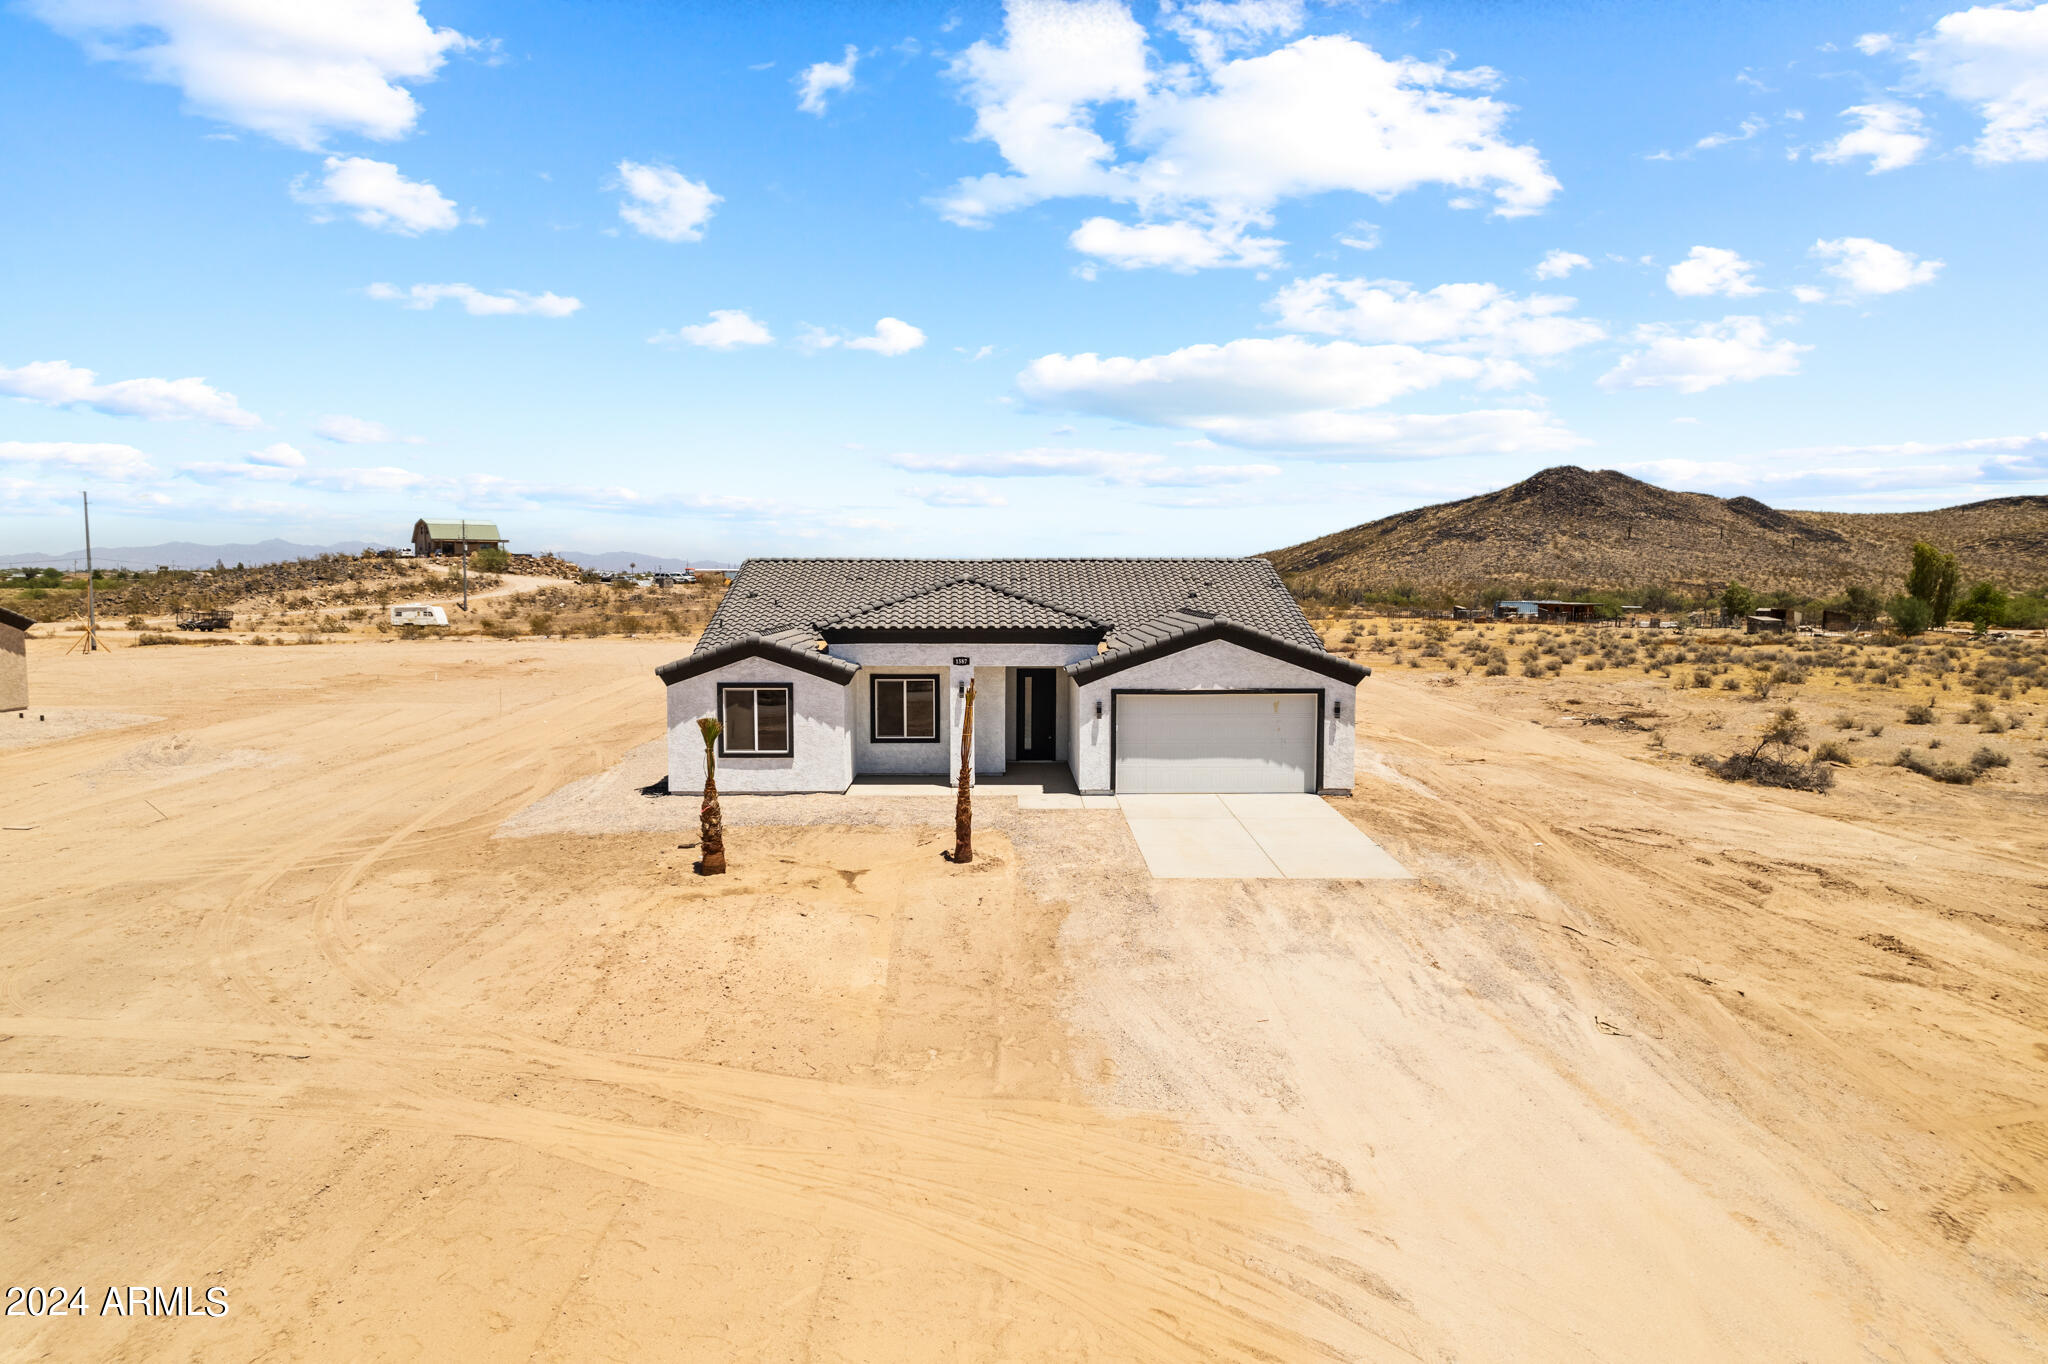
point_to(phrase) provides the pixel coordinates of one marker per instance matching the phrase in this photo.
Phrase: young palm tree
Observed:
(963, 805)
(711, 858)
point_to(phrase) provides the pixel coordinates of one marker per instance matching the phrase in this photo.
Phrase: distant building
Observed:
(1788, 616)
(431, 538)
(1546, 610)
(13, 660)
(1761, 624)
(1834, 620)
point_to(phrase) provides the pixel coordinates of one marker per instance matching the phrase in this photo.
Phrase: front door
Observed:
(1036, 709)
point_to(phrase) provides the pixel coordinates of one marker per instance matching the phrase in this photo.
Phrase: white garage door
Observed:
(1227, 742)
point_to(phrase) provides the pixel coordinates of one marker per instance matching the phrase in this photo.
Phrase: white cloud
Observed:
(1713, 353)
(1212, 29)
(476, 302)
(278, 456)
(1873, 44)
(1806, 293)
(1360, 236)
(1996, 58)
(1124, 468)
(376, 195)
(1480, 318)
(1210, 151)
(663, 203)
(960, 497)
(1401, 435)
(1889, 133)
(1710, 270)
(892, 336)
(1749, 128)
(728, 329)
(1870, 267)
(345, 430)
(1289, 393)
(101, 460)
(1556, 264)
(1183, 247)
(1264, 376)
(57, 383)
(296, 72)
(822, 79)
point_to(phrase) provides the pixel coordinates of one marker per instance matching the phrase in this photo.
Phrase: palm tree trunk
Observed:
(963, 805)
(711, 827)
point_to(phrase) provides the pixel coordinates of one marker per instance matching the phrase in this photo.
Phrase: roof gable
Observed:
(963, 605)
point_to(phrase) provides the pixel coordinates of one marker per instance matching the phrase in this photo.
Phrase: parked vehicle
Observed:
(418, 613)
(205, 620)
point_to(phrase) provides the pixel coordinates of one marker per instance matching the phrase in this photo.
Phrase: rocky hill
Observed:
(1577, 528)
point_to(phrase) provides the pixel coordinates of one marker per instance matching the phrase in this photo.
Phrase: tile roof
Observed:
(1119, 595)
(1184, 628)
(962, 604)
(15, 619)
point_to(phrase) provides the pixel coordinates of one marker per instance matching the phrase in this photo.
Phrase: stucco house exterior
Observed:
(13, 660)
(1139, 675)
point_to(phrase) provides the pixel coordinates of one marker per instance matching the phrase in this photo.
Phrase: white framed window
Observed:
(904, 710)
(755, 719)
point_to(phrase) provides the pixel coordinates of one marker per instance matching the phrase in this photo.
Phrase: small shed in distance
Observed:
(454, 537)
(1834, 620)
(1761, 624)
(13, 660)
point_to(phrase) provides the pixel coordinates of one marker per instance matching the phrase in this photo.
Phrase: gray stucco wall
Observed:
(13, 668)
(1215, 666)
(902, 756)
(821, 749)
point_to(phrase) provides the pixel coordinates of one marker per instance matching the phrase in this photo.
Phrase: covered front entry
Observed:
(1215, 741)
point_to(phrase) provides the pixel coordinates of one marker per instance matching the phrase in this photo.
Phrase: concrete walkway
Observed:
(1252, 838)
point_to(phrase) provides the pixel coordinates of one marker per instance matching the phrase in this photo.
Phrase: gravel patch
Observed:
(47, 724)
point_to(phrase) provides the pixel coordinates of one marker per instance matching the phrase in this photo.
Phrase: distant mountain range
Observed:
(185, 554)
(1576, 528)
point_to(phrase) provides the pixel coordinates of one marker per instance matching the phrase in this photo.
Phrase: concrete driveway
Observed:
(1272, 837)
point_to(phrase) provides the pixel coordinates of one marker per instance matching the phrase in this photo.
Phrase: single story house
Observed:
(14, 659)
(1139, 675)
(454, 537)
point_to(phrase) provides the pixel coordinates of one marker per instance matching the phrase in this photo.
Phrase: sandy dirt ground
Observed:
(367, 985)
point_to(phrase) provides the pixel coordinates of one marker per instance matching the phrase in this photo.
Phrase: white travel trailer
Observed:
(418, 613)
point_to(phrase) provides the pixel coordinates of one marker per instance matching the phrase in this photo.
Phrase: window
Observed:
(756, 721)
(904, 710)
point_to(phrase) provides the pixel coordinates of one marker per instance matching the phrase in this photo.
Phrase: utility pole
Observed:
(92, 632)
(465, 565)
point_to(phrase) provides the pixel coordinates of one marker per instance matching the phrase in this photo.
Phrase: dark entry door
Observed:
(1037, 707)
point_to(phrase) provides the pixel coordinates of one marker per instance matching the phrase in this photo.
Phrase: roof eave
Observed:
(810, 661)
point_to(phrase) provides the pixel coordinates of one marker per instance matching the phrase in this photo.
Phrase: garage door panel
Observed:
(1226, 742)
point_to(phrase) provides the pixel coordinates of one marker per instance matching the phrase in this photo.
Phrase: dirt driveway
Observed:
(1606, 1081)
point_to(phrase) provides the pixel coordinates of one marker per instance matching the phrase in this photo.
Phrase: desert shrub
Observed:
(1919, 715)
(1496, 668)
(1843, 721)
(1987, 757)
(1831, 751)
(153, 638)
(1910, 615)
(1955, 774)
(1875, 729)
(1731, 684)
(1775, 758)
(137, 623)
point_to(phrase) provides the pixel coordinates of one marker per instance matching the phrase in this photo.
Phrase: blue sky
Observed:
(1054, 277)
